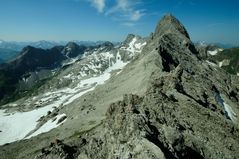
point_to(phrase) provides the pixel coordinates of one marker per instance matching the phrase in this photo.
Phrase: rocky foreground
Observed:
(167, 103)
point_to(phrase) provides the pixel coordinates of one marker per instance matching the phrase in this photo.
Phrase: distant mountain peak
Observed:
(71, 44)
(72, 49)
(170, 24)
(129, 38)
(107, 44)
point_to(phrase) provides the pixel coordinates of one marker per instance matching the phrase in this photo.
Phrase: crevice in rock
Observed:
(192, 48)
(233, 95)
(167, 60)
(189, 153)
(181, 90)
(153, 137)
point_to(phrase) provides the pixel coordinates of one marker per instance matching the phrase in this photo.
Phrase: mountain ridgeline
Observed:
(154, 98)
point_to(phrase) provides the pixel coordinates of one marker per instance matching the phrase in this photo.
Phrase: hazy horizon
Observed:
(113, 20)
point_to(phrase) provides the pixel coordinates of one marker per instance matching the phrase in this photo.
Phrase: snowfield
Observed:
(229, 113)
(16, 126)
(220, 64)
(48, 125)
(214, 52)
(134, 46)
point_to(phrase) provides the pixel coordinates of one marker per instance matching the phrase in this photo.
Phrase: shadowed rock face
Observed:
(184, 114)
(29, 60)
(72, 50)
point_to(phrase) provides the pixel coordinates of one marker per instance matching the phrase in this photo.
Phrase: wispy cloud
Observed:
(98, 4)
(125, 10)
(136, 15)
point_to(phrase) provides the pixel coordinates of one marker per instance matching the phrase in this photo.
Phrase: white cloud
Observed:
(123, 4)
(125, 10)
(98, 4)
(136, 15)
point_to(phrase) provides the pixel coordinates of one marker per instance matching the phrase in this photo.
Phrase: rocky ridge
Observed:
(180, 115)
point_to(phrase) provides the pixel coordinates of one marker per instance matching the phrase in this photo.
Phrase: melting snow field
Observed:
(48, 125)
(16, 126)
(230, 114)
(134, 46)
(214, 52)
(220, 64)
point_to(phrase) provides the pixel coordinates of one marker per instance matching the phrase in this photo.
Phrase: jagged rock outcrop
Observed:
(169, 24)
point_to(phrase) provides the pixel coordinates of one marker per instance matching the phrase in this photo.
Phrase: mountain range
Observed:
(10, 49)
(161, 97)
(34, 65)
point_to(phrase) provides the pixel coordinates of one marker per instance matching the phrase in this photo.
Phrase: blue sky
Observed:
(32, 20)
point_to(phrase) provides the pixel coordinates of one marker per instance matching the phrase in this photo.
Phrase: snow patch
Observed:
(214, 52)
(72, 61)
(220, 64)
(13, 105)
(140, 45)
(229, 112)
(76, 96)
(16, 126)
(68, 76)
(50, 124)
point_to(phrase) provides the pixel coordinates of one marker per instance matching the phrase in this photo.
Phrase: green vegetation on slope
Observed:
(229, 54)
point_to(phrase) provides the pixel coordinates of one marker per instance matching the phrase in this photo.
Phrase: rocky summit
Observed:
(166, 103)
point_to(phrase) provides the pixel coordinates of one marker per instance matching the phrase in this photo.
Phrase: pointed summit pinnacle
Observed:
(170, 24)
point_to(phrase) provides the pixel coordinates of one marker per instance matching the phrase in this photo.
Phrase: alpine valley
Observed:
(160, 97)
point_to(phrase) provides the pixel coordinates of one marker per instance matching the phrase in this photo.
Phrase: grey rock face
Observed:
(169, 24)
